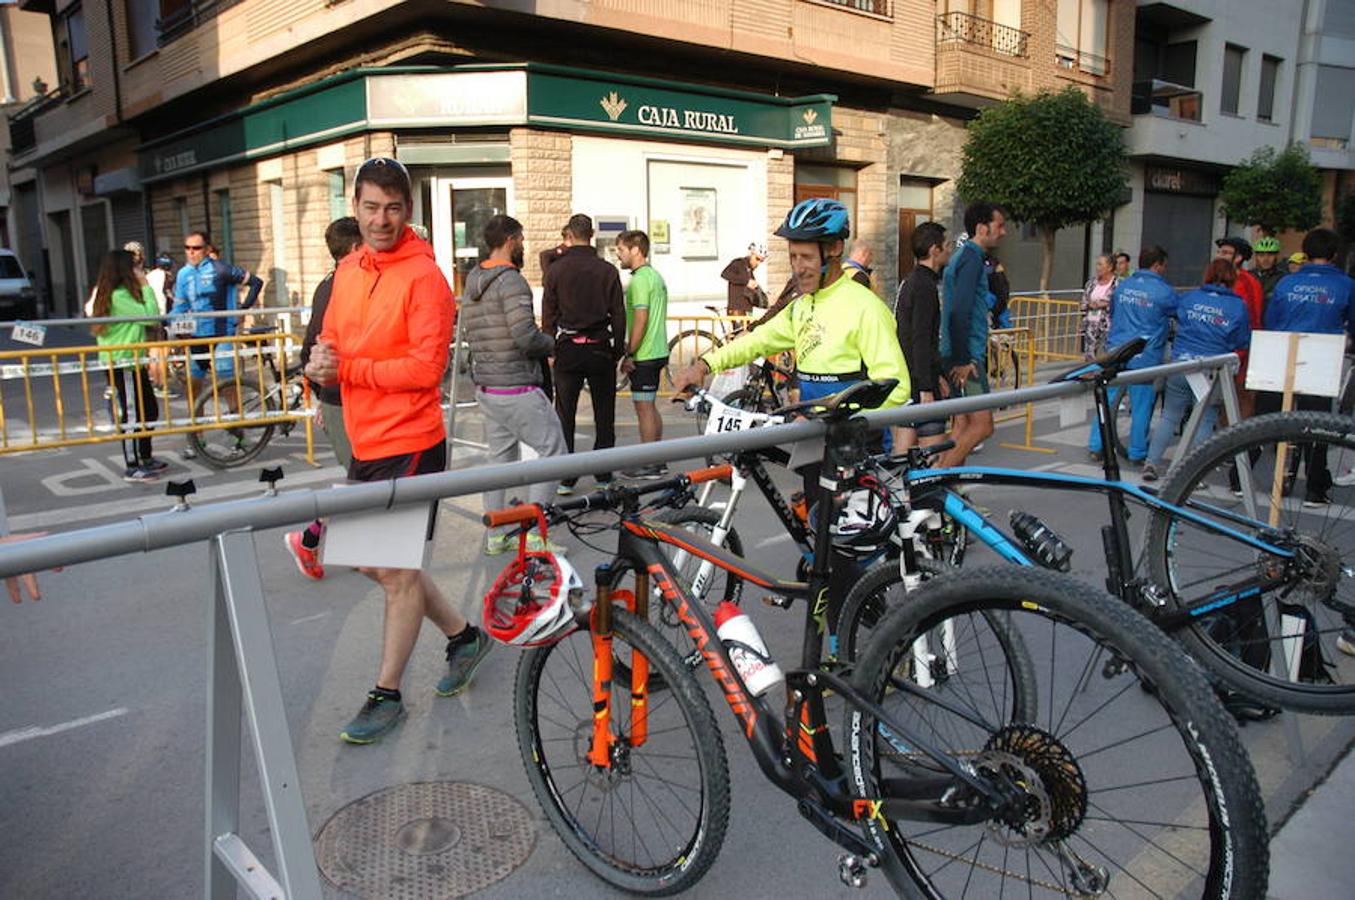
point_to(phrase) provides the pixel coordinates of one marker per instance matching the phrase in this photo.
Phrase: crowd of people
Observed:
(377, 347)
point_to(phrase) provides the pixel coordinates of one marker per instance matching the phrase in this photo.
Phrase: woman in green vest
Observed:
(120, 292)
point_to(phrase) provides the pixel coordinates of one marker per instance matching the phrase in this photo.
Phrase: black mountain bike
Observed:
(997, 774)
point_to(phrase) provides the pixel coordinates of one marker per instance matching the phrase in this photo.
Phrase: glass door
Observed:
(460, 207)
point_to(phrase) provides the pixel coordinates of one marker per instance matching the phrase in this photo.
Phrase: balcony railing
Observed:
(179, 23)
(1073, 58)
(22, 133)
(874, 7)
(1166, 100)
(962, 28)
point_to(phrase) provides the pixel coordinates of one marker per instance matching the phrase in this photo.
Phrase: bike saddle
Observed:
(861, 395)
(1108, 364)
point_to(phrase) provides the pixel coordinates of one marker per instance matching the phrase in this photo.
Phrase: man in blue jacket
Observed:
(968, 301)
(1140, 307)
(204, 285)
(1319, 298)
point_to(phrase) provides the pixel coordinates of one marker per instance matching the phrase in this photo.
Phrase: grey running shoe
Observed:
(138, 475)
(377, 716)
(1149, 472)
(462, 661)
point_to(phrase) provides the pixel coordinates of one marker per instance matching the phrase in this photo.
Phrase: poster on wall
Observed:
(659, 237)
(698, 223)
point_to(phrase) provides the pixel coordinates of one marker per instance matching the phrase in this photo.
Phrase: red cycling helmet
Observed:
(529, 603)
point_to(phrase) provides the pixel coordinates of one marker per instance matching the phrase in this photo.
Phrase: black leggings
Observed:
(140, 407)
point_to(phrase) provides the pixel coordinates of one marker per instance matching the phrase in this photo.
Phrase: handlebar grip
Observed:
(525, 512)
(712, 473)
(942, 447)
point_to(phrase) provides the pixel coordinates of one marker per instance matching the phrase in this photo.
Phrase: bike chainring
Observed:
(1048, 791)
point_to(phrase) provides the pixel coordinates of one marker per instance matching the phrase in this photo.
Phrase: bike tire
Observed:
(1179, 553)
(570, 809)
(869, 601)
(1209, 816)
(704, 521)
(750, 400)
(226, 448)
(685, 348)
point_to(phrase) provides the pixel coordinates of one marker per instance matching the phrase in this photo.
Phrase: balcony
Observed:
(23, 134)
(963, 29)
(1081, 61)
(979, 61)
(1166, 101)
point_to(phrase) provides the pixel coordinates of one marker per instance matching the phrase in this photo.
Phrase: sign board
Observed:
(29, 333)
(1317, 364)
(398, 538)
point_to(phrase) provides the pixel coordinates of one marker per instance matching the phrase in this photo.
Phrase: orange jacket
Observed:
(390, 320)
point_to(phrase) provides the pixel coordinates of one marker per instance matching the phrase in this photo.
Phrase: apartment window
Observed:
(225, 237)
(1234, 57)
(875, 7)
(141, 30)
(72, 50)
(1265, 99)
(835, 182)
(338, 200)
(1081, 36)
(1332, 110)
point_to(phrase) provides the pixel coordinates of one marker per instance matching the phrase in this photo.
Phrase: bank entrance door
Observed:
(455, 209)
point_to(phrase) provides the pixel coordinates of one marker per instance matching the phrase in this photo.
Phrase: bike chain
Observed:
(1049, 886)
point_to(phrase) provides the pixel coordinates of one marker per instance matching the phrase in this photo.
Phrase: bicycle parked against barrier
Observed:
(1259, 598)
(259, 394)
(983, 780)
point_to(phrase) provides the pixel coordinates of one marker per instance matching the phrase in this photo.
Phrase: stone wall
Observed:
(542, 190)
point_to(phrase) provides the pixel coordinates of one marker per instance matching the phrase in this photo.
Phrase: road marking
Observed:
(308, 618)
(27, 734)
(126, 508)
(774, 539)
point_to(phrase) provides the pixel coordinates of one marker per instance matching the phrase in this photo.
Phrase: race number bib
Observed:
(728, 419)
(29, 333)
(181, 326)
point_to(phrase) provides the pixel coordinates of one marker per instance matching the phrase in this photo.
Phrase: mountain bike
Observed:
(1256, 585)
(260, 394)
(982, 779)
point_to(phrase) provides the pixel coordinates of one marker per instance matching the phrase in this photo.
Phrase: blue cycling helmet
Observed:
(817, 219)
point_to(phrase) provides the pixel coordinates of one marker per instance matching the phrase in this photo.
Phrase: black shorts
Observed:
(406, 465)
(645, 377)
(929, 428)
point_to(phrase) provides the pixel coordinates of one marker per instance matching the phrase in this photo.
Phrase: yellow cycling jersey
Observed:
(842, 330)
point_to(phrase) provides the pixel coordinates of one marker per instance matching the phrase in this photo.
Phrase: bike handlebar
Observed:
(511, 515)
(603, 499)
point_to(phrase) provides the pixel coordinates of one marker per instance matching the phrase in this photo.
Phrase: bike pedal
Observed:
(852, 870)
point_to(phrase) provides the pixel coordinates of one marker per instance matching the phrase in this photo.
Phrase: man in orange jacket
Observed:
(384, 342)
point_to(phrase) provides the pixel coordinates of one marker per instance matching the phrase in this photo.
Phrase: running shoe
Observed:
(154, 465)
(498, 543)
(1345, 641)
(647, 473)
(1316, 500)
(139, 475)
(462, 661)
(565, 488)
(535, 543)
(1149, 472)
(306, 559)
(1345, 480)
(377, 716)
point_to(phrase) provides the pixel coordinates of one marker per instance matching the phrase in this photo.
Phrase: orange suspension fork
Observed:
(639, 668)
(599, 754)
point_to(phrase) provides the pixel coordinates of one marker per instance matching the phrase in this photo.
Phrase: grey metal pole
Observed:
(223, 736)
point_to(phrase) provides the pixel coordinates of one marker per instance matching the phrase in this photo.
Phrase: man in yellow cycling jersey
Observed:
(840, 331)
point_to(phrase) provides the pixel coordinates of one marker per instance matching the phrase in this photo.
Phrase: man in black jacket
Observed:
(918, 313)
(582, 307)
(341, 237)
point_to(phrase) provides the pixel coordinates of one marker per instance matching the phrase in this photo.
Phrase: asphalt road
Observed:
(103, 707)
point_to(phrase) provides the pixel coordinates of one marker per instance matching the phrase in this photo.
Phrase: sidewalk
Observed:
(1310, 857)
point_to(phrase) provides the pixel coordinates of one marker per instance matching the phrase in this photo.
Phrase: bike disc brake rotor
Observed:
(1049, 792)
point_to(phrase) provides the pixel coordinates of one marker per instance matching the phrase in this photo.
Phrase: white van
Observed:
(18, 298)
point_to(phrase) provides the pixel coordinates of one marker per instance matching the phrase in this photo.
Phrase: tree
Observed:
(1275, 191)
(1051, 160)
(1345, 217)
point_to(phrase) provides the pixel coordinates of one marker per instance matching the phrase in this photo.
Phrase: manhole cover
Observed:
(429, 840)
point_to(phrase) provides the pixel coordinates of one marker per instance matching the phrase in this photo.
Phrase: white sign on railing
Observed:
(29, 333)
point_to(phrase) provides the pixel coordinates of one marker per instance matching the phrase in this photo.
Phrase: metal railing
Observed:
(82, 410)
(191, 16)
(1055, 324)
(1166, 100)
(243, 678)
(1072, 58)
(975, 31)
(23, 134)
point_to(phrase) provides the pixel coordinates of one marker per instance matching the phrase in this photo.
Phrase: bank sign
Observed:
(644, 106)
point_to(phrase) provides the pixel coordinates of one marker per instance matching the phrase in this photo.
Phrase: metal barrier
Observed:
(1055, 325)
(1011, 366)
(694, 336)
(246, 384)
(242, 668)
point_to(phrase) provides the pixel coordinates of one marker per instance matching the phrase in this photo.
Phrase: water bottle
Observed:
(1047, 547)
(746, 649)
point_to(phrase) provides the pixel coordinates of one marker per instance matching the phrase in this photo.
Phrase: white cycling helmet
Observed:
(865, 521)
(529, 603)
(759, 248)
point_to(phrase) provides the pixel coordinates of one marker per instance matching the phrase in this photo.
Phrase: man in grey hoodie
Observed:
(507, 349)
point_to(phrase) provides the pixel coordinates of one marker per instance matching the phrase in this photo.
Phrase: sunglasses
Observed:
(195, 246)
(378, 162)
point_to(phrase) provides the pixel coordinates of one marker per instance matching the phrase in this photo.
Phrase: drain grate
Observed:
(424, 841)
